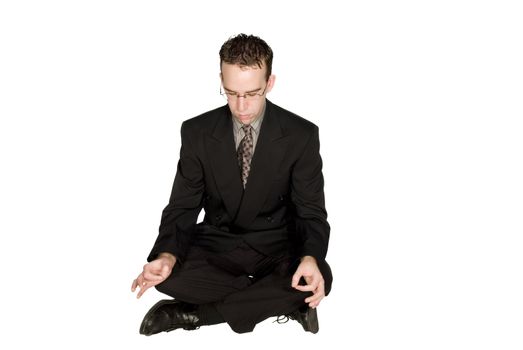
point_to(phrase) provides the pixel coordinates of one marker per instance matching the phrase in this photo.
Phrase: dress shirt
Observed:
(256, 126)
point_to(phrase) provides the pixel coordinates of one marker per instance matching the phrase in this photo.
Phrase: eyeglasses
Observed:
(248, 96)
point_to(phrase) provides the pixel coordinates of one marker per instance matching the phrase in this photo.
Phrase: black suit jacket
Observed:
(282, 208)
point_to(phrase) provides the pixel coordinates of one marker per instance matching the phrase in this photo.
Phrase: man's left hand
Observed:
(309, 270)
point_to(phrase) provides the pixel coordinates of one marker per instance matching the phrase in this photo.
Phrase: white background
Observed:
(419, 106)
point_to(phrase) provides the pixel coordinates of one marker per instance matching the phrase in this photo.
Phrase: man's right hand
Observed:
(154, 273)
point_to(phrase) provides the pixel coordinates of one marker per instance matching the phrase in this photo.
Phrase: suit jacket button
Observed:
(281, 197)
(208, 197)
(269, 218)
(218, 217)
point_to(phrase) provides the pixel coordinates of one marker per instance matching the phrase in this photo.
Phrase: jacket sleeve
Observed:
(185, 203)
(309, 200)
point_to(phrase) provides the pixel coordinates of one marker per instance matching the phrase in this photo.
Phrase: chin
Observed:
(245, 119)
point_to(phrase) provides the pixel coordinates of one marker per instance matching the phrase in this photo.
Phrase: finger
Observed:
(315, 282)
(314, 298)
(143, 288)
(137, 282)
(152, 276)
(314, 305)
(317, 302)
(321, 287)
(311, 285)
(296, 279)
(317, 286)
(319, 293)
(310, 280)
(165, 272)
(306, 288)
(311, 299)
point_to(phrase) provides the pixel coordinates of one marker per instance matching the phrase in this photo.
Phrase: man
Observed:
(260, 250)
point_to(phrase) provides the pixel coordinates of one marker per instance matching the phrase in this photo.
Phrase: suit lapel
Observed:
(222, 154)
(268, 154)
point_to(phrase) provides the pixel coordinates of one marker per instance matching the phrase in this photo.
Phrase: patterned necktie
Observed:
(245, 153)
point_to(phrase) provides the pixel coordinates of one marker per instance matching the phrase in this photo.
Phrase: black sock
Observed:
(209, 315)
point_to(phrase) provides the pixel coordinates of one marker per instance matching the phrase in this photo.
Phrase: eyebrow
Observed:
(246, 92)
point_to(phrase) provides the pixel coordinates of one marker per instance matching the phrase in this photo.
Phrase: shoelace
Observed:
(282, 319)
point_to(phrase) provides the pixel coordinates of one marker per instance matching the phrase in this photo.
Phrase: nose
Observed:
(241, 104)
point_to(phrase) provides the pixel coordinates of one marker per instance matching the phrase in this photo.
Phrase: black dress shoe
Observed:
(168, 315)
(307, 317)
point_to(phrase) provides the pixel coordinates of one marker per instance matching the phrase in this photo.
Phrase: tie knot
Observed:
(246, 128)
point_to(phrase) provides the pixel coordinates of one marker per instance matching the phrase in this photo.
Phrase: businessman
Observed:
(256, 170)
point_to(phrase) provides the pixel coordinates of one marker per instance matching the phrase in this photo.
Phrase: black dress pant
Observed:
(245, 285)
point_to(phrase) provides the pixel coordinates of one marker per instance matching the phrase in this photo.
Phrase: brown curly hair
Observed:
(247, 50)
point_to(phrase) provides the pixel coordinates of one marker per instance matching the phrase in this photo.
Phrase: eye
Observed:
(252, 94)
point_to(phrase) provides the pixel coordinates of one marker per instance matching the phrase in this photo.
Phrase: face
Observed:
(245, 80)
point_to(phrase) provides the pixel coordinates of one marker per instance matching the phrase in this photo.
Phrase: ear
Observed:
(270, 83)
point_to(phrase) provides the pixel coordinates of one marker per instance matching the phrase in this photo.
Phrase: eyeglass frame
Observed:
(246, 95)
